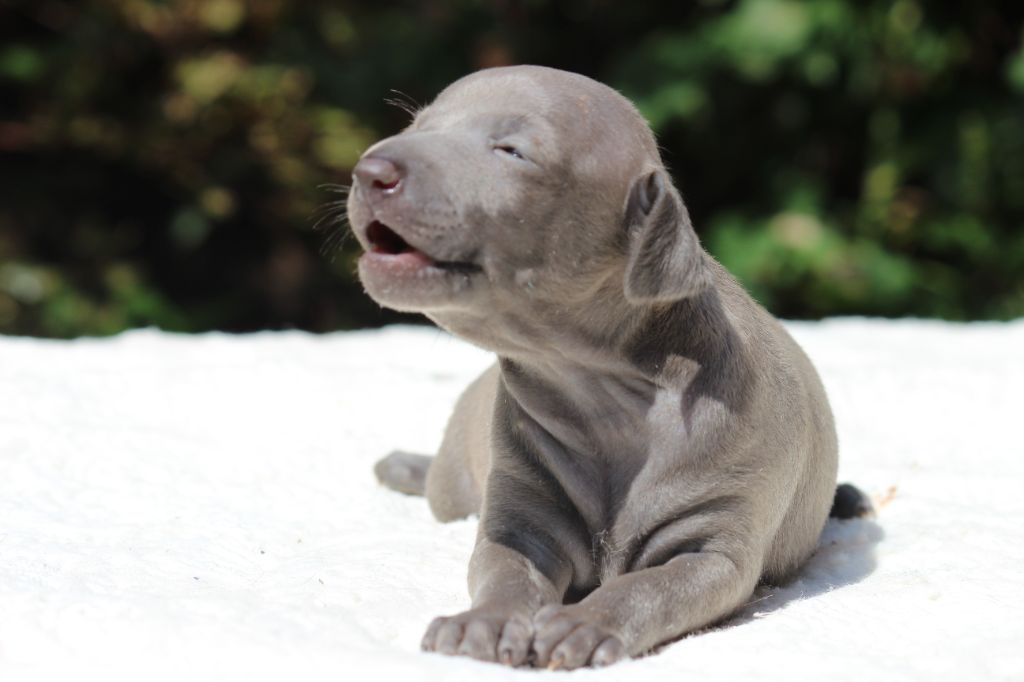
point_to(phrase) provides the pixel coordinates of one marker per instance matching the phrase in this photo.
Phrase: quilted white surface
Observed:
(200, 508)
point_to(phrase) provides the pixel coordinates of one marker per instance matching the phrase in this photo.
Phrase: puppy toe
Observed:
(449, 636)
(576, 649)
(608, 651)
(479, 641)
(514, 645)
(429, 641)
(549, 635)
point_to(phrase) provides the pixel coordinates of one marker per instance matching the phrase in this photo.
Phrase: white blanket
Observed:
(203, 508)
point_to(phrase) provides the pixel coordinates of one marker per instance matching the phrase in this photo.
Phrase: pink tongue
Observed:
(409, 258)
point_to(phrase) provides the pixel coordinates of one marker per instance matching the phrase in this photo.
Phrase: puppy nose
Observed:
(374, 173)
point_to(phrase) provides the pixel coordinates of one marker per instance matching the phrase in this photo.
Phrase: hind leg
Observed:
(404, 472)
(451, 491)
(453, 481)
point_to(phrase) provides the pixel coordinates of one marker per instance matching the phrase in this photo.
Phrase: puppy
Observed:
(650, 443)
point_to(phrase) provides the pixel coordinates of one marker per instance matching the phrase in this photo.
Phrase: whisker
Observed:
(404, 102)
(338, 245)
(335, 225)
(328, 217)
(329, 246)
(331, 219)
(336, 189)
(328, 208)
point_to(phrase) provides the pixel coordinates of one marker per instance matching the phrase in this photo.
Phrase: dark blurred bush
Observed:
(161, 162)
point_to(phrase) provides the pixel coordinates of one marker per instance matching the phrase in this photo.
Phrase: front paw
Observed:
(567, 637)
(487, 633)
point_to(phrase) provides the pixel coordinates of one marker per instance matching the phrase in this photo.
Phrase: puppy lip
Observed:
(385, 242)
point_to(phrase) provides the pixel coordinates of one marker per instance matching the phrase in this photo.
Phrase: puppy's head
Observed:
(518, 190)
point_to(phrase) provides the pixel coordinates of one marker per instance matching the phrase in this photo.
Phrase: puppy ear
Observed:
(666, 262)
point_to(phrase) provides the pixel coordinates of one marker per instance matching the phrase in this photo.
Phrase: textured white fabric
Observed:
(203, 507)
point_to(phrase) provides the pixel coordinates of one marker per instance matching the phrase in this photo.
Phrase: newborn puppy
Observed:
(651, 443)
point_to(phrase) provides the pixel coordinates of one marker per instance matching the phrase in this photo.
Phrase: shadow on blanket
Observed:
(845, 555)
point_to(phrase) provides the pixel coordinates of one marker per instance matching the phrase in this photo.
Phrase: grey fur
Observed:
(651, 442)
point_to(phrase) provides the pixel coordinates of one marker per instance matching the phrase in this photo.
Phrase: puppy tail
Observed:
(850, 503)
(404, 472)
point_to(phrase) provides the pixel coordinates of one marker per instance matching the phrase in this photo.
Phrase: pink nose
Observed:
(376, 174)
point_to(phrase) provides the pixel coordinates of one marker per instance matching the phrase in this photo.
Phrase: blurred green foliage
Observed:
(163, 162)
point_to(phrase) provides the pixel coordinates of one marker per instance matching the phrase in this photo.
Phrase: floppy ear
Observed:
(666, 262)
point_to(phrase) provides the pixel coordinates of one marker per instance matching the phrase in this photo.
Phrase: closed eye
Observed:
(509, 150)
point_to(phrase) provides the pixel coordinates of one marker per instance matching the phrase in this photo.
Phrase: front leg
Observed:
(528, 535)
(507, 590)
(633, 612)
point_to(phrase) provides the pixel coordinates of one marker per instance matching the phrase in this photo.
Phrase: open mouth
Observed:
(386, 242)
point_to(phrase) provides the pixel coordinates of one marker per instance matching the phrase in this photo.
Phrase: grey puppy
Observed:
(651, 442)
